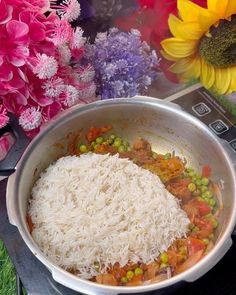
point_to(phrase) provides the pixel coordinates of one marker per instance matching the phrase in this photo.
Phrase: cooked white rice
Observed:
(100, 208)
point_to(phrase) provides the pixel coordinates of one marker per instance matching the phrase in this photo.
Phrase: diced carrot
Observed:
(95, 132)
(195, 245)
(203, 208)
(206, 171)
(106, 279)
(29, 223)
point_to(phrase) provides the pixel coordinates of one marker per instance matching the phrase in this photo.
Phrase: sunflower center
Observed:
(219, 47)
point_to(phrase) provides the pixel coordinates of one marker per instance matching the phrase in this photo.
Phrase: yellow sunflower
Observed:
(203, 45)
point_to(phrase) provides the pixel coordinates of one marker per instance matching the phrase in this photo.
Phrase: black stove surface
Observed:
(221, 280)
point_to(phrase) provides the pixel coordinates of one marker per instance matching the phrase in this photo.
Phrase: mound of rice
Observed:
(101, 208)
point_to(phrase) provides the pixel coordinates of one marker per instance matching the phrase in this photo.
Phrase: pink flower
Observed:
(38, 52)
(4, 119)
(6, 142)
(5, 12)
(30, 119)
(68, 10)
(14, 42)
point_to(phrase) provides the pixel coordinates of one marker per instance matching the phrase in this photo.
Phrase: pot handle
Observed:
(163, 101)
(232, 156)
(59, 277)
(205, 267)
(8, 164)
(10, 200)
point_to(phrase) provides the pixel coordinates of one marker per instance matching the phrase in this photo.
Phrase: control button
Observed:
(201, 109)
(233, 144)
(219, 127)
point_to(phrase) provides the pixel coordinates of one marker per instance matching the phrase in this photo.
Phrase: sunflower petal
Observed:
(231, 9)
(183, 30)
(188, 10)
(223, 80)
(233, 79)
(207, 18)
(167, 56)
(192, 71)
(218, 6)
(181, 66)
(179, 48)
(207, 74)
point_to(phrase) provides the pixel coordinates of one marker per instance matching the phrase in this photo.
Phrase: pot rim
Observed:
(140, 100)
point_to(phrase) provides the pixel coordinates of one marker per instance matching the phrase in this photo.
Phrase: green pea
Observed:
(83, 148)
(191, 173)
(99, 140)
(205, 196)
(194, 179)
(117, 142)
(205, 181)
(93, 144)
(164, 257)
(198, 182)
(124, 280)
(130, 274)
(192, 187)
(212, 202)
(125, 143)
(198, 176)
(189, 170)
(203, 189)
(138, 271)
(112, 136)
(208, 194)
(209, 215)
(167, 156)
(214, 222)
(205, 241)
(110, 141)
(122, 149)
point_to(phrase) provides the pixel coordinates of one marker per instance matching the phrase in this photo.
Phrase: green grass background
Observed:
(7, 273)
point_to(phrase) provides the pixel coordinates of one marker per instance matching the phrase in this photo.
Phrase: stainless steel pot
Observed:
(168, 128)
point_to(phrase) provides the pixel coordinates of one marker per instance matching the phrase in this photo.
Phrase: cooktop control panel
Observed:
(199, 102)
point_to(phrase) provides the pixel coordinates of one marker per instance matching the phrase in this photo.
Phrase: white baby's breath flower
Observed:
(68, 9)
(53, 87)
(78, 40)
(30, 119)
(64, 54)
(46, 66)
(71, 96)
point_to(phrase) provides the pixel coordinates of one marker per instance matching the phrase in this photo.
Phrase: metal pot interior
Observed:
(167, 128)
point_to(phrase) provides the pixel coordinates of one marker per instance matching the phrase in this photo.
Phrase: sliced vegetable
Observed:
(206, 171)
(191, 261)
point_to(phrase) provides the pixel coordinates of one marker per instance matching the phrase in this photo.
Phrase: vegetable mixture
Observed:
(198, 199)
(198, 196)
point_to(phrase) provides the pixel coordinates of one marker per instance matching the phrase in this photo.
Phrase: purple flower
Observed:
(124, 65)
